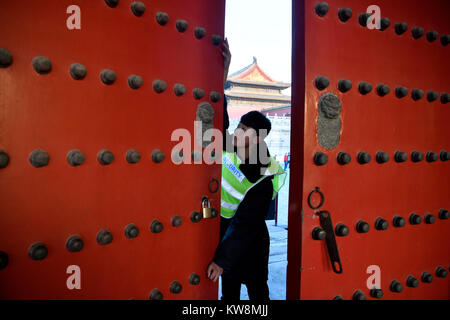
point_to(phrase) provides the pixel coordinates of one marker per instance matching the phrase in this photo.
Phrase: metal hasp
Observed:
(327, 225)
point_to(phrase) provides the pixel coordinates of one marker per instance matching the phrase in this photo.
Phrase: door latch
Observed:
(327, 226)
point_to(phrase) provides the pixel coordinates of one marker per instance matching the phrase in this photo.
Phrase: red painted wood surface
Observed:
(326, 46)
(56, 113)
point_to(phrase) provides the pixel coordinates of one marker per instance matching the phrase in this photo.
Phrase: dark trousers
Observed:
(257, 289)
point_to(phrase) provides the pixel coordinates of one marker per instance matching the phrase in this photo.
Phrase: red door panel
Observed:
(357, 121)
(56, 113)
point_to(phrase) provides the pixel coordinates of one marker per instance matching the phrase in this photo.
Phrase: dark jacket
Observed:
(243, 252)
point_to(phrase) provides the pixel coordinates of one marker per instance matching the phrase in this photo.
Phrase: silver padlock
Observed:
(206, 207)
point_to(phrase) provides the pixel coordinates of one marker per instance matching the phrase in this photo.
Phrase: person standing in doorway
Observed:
(288, 160)
(250, 180)
(285, 161)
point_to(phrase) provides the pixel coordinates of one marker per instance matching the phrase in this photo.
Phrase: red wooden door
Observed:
(46, 200)
(361, 96)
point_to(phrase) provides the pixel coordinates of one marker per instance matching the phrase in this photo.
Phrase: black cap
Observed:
(257, 121)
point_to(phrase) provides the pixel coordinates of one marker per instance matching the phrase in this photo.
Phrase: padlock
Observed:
(206, 207)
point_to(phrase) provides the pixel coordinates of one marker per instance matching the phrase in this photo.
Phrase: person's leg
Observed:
(257, 289)
(231, 289)
(256, 283)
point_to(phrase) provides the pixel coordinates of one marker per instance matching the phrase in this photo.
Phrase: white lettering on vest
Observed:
(233, 169)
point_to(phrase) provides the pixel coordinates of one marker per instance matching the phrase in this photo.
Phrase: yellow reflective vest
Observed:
(235, 185)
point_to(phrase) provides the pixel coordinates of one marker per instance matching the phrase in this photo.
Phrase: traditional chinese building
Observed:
(252, 89)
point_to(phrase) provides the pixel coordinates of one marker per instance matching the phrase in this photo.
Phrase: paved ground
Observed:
(278, 249)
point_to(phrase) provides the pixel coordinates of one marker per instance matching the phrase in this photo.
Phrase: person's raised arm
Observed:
(226, 54)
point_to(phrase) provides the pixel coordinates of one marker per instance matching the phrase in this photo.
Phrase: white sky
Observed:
(260, 28)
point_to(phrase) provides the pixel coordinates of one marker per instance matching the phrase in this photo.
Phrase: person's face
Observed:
(244, 136)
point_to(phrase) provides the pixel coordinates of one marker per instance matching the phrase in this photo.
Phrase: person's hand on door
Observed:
(214, 272)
